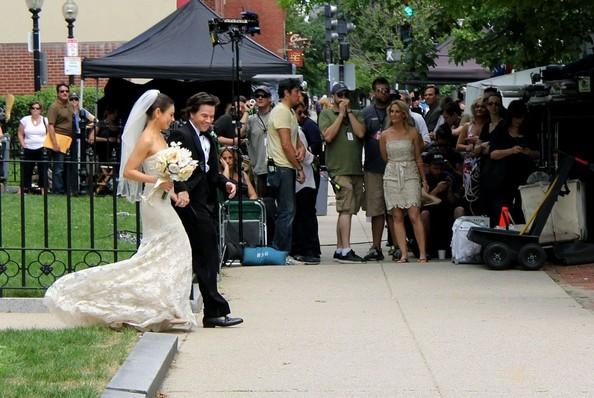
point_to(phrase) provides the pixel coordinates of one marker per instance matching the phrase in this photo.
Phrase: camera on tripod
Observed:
(247, 24)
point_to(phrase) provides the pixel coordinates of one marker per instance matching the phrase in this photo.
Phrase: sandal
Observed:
(402, 260)
(423, 260)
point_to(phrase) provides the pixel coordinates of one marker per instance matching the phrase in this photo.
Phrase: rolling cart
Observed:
(502, 247)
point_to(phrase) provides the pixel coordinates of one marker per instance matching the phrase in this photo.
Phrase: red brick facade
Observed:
(271, 17)
(16, 64)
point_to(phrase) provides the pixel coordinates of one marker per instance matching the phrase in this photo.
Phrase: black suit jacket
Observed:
(202, 186)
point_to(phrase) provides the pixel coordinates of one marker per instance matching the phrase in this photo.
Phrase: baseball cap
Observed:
(338, 87)
(264, 89)
(73, 95)
(435, 158)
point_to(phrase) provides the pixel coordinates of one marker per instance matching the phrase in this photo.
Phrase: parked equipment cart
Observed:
(502, 247)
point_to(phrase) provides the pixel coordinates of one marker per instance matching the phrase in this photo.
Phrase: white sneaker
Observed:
(292, 261)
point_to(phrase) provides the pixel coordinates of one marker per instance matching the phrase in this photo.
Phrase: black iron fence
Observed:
(45, 235)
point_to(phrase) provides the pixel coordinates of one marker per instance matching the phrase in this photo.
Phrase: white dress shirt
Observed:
(205, 146)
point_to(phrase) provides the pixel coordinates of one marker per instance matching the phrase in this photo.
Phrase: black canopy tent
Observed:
(179, 47)
(178, 55)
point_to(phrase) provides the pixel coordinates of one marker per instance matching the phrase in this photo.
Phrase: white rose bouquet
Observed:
(175, 163)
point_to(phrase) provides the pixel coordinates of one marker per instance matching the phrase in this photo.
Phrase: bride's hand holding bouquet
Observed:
(174, 164)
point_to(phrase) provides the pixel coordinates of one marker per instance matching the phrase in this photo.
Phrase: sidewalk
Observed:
(389, 330)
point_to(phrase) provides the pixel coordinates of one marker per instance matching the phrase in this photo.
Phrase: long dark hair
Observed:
(162, 102)
(516, 108)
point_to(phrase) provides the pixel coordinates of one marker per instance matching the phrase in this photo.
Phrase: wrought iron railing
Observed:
(44, 236)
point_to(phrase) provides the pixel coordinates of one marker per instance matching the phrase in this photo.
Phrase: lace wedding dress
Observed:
(146, 291)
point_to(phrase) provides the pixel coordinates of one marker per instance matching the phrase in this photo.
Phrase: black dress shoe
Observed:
(222, 321)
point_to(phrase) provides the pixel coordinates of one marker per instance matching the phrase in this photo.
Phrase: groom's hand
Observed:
(183, 199)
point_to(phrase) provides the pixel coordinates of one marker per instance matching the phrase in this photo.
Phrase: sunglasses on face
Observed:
(64, 91)
(35, 108)
(73, 99)
(260, 96)
(342, 94)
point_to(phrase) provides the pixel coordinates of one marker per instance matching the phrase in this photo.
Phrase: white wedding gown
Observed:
(145, 291)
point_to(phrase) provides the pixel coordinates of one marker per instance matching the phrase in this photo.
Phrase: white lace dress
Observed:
(145, 291)
(402, 183)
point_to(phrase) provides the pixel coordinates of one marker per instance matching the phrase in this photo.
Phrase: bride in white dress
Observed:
(150, 290)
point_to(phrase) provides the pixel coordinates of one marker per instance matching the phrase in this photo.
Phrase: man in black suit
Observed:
(196, 204)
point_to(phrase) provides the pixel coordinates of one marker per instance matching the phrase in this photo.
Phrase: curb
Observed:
(34, 305)
(22, 305)
(145, 368)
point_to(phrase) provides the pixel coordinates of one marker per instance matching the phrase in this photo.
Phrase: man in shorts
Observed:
(376, 121)
(343, 130)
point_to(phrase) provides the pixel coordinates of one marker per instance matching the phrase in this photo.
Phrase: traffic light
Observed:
(406, 31)
(330, 22)
(344, 27)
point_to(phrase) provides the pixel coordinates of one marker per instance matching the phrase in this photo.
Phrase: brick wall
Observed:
(16, 65)
(270, 14)
(272, 22)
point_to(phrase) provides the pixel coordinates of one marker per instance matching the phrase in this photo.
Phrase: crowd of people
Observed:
(413, 167)
(412, 161)
(51, 145)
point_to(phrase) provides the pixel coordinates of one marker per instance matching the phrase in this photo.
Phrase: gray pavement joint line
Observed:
(409, 328)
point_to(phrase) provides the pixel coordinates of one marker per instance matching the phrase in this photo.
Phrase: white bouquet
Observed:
(175, 163)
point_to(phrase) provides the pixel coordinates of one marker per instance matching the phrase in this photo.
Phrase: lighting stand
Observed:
(236, 36)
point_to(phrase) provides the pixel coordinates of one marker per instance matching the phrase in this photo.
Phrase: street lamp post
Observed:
(34, 7)
(70, 12)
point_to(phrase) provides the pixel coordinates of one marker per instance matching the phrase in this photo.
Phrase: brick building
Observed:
(100, 30)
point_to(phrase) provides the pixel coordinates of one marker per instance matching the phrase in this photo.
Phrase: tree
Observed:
(378, 30)
(314, 67)
(525, 34)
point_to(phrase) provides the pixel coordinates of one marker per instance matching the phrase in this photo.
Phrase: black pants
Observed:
(200, 227)
(306, 241)
(34, 157)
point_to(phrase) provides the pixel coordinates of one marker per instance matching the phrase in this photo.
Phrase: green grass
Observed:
(61, 363)
(87, 251)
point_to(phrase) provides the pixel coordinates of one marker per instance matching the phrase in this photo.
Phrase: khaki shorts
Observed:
(374, 194)
(350, 197)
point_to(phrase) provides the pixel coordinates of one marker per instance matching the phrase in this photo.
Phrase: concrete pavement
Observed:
(383, 330)
(389, 330)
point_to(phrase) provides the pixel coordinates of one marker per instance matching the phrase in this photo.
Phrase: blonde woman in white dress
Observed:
(400, 147)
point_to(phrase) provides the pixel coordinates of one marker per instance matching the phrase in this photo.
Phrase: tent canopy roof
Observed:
(447, 72)
(179, 47)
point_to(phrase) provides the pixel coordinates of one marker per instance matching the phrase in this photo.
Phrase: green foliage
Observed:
(522, 33)
(377, 30)
(46, 97)
(314, 68)
(75, 362)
